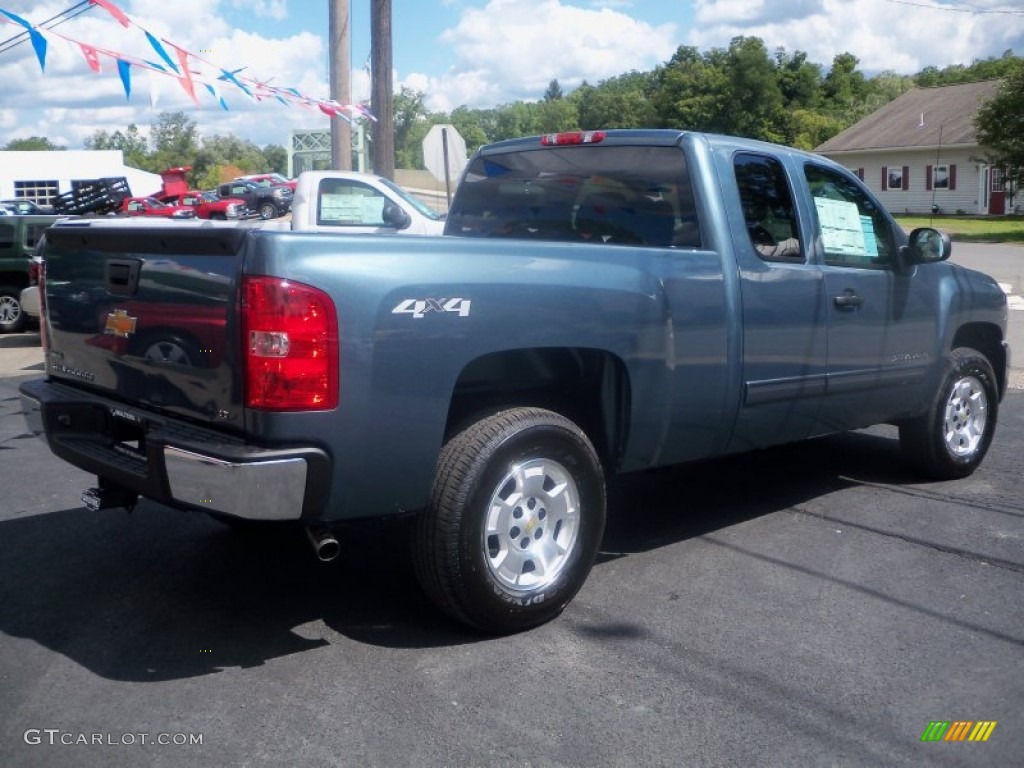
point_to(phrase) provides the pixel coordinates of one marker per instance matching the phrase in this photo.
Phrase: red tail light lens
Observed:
(43, 338)
(290, 332)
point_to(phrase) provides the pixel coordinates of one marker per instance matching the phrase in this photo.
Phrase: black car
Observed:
(268, 202)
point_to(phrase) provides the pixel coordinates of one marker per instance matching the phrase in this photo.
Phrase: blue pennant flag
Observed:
(163, 53)
(126, 78)
(38, 41)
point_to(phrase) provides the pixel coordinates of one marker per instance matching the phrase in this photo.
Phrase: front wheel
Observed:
(952, 437)
(12, 317)
(268, 211)
(515, 520)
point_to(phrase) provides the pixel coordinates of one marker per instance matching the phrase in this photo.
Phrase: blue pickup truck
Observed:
(601, 302)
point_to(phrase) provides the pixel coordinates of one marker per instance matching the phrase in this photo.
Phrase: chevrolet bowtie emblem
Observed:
(120, 323)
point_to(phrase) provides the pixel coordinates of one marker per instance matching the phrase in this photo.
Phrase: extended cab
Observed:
(359, 203)
(602, 303)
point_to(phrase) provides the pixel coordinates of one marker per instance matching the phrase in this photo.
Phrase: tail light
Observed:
(290, 331)
(572, 137)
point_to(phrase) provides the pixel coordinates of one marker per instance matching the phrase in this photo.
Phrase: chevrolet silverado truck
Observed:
(601, 303)
(207, 205)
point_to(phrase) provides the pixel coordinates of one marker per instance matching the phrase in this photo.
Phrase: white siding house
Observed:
(40, 176)
(919, 152)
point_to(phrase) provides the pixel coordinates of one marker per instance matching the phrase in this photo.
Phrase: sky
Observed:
(478, 53)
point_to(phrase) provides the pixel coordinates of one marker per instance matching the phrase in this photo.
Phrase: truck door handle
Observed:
(848, 300)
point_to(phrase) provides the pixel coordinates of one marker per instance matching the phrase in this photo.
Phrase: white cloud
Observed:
(271, 9)
(512, 49)
(883, 35)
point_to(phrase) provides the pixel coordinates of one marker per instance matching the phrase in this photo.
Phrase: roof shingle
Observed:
(916, 118)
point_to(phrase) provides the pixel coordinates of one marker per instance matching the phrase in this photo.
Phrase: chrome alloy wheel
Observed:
(532, 524)
(966, 417)
(10, 310)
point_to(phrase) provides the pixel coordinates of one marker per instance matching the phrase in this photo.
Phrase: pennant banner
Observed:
(177, 65)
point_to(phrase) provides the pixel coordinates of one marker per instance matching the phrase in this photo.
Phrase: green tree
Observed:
(133, 145)
(470, 125)
(844, 87)
(411, 126)
(32, 144)
(175, 139)
(275, 159)
(619, 102)
(1000, 129)
(754, 105)
(692, 91)
(554, 91)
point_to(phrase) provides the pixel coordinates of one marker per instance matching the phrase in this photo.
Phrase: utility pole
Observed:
(381, 99)
(341, 84)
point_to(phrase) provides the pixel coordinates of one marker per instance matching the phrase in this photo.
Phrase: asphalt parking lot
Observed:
(810, 605)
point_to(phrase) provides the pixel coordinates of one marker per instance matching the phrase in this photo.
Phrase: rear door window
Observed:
(615, 195)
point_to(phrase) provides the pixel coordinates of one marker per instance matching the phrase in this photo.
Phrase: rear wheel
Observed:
(515, 520)
(12, 317)
(952, 437)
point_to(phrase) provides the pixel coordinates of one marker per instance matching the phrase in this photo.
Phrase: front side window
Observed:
(852, 228)
(767, 207)
(612, 195)
(344, 203)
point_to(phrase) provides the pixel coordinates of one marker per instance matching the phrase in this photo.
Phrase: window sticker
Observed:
(844, 231)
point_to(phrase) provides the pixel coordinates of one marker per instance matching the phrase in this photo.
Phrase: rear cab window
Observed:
(611, 194)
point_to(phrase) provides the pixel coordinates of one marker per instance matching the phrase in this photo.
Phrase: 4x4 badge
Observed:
(120, 323)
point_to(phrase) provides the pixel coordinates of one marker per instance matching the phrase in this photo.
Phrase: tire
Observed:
(515, 520)
(268, 211)
(12, 317)
(952, 437)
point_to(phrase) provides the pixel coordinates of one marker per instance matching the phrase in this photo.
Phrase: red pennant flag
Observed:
(92, 56)
(186, 80)
(113, 10)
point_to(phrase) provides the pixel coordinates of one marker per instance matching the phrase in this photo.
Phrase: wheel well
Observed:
(588, 386)
(987, 339)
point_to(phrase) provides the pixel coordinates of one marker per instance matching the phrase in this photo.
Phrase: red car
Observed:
(150, 206)
(207, 205)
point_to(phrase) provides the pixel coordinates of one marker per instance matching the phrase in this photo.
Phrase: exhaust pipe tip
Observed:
(325, 545)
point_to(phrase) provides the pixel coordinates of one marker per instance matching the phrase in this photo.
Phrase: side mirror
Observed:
(926, 246)
(395, 217)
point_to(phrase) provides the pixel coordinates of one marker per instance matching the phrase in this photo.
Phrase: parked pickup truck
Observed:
(150, 206)
(359, 203)
(207, 205)
(601, 303)
(268, 202)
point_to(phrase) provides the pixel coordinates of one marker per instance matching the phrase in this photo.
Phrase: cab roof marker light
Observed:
(572, 137)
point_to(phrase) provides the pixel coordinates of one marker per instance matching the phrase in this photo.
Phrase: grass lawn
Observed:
(981, 229)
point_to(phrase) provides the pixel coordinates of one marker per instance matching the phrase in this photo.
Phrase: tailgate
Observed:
(146, 315)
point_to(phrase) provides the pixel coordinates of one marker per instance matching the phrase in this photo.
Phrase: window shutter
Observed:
(885, 178)
(928, 177)
(952, 177)
(860, 174)
(906, 177)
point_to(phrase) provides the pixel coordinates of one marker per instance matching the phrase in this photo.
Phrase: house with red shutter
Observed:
(919, 153)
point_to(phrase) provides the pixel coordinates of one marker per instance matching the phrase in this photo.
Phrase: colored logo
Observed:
(958, 730)
(120, 323)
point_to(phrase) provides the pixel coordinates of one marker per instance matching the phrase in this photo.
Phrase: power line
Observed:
(71, 13)
(955, 9)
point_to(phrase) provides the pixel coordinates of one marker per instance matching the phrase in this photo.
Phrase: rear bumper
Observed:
(173, 462)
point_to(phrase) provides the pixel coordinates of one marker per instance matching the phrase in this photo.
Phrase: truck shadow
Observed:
(164, 595)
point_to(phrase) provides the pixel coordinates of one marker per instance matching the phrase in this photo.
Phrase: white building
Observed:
(919, 152)
(41, 176)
